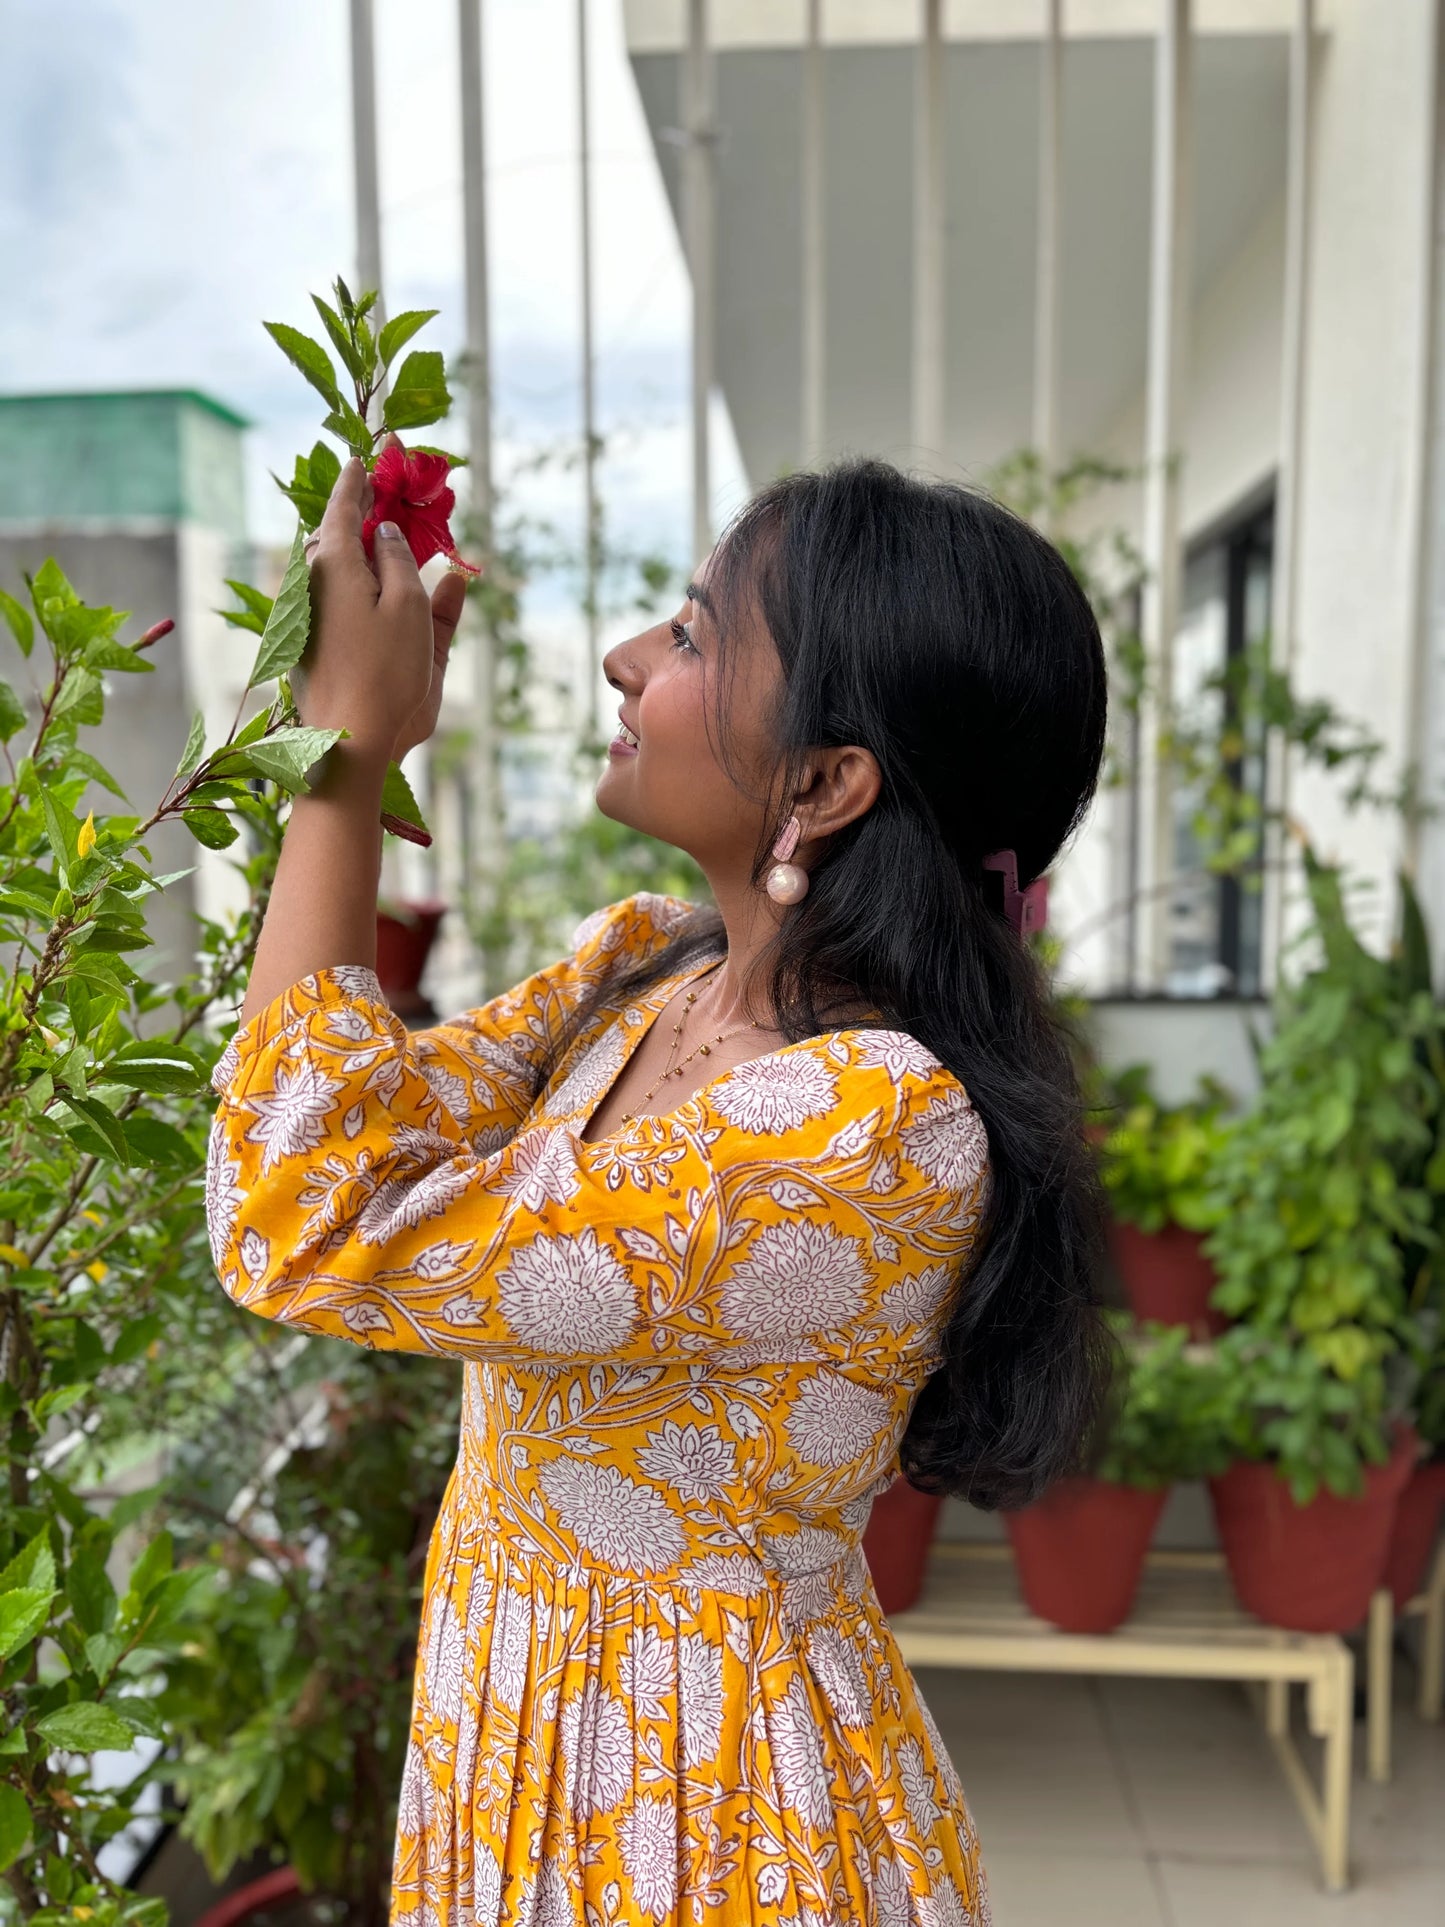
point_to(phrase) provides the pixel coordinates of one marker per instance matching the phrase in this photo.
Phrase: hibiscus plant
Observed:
(108, 1601)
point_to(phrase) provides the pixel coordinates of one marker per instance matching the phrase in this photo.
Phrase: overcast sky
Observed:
(173, 172)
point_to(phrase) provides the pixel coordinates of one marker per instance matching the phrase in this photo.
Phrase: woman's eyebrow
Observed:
(695, 594)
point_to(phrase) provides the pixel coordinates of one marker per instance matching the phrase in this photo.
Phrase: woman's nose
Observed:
(623, 668)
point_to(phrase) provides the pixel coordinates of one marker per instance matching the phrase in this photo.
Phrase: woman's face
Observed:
(664, 775)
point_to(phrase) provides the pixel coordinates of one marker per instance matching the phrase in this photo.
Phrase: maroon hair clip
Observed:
(1027, 910)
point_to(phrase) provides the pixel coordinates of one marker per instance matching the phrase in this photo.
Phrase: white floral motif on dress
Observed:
(735, 1572)
(291, 1118)
(694, 1459)
(224, 1197)
(511, 1643)
(915, 1302)
(943, 1906)
(897, 1053)
(917, 1781)
(543, 1170)
(647, 1668)
(797, 1278)
(835, 1422)
(401, 1204)
(775, 1094)
(700, 1690)
(619, 1520)
(948, 1143)
(355, 980)
(798, 1756)
(649, 1853)
(590, 1075)
(596, 1740)
(552, 1902)
(449, 1088)
(839, 1672)
(568, 1294)
(444, 1659)
(892, 1895)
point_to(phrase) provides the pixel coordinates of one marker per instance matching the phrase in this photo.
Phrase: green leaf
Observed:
(86, 1728)
(23, 1611)
(155, 1564)
(91, 1595)
(325, 467)
(81, 697)
(158, 1146)
(106, 653)
(251, 599)
(33, 1566)
(195, 747)
(419, 394)
(289, 623)
(51, 1404)
(102, 1650)
(351, 361)
(307, 355)
(61, 828)
(283, 757)
(345, 422)
(17, 617)
(48, 585)
(156, 1068)
(12, 713)
(14, 1826)
(400, 329)
(398, 801)
(213, 828)
(106, 1136)
(309, 505)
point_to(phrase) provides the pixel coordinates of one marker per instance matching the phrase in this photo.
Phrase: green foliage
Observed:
(1292, 1408)
(1157, 1161)
(1172, 1410)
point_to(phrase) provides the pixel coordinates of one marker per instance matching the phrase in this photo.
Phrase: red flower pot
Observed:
(896, 1540)
(1080, 1551)
(1417, 1522)
(1312, 1567)
(403, 944)
(1167, 1276)
(256, 1897)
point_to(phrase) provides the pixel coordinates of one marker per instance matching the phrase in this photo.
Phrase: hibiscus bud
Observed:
(156, 631)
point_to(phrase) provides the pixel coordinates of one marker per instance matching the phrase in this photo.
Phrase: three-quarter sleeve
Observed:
(779, 1206)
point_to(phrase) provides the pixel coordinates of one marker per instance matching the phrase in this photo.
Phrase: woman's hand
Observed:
(377, 656)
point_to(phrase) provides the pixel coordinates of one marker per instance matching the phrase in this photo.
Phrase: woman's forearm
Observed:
(322, 910)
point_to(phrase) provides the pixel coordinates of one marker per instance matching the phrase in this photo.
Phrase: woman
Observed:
(729, 1213)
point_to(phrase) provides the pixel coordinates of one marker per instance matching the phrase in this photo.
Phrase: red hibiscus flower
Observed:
(410, 488)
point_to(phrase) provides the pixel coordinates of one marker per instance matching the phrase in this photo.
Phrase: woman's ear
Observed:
(838, 786)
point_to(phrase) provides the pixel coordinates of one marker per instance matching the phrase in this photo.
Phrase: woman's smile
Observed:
(624, 743)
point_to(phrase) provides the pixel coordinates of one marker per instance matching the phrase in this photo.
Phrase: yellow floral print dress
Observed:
(653, 1682)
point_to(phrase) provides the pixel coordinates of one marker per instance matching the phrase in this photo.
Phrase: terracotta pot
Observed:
(1167, 1276)
(256, 1897)
(1417, 1523)
(403, 944)
(1081, 1549)
(896, 1540)
(1310, 1567)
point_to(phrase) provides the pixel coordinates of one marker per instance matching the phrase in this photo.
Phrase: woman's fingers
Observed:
(446, 605)
(341, 524)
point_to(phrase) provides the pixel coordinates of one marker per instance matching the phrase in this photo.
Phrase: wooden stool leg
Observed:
(1276, 1708)
(1335, 1844)
(1378, 1685)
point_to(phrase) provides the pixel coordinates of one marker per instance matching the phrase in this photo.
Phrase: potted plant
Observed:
(1422, 1503)
(1305, 1511)
(1080, 1550)
(1156, 1161)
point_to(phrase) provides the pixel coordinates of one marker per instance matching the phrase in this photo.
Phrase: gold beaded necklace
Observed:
(704, 1049)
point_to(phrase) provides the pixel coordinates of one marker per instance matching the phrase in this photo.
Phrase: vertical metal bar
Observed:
(1169, 278)
(592, 527)
(364, 160)
(1046, 279)
(928, 239)
(1284, 587)
(699, 230)
(814, 265)
(483, 880)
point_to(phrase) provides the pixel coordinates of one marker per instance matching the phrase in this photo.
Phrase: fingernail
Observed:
(389, 530)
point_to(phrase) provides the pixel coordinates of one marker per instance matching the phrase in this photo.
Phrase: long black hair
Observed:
(926, 623)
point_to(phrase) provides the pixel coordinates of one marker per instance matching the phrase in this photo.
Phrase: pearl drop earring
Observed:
(787, 882)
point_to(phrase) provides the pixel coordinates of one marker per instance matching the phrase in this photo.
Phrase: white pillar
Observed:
(698, 199)
(488, 828)
(363, 131)
(814, 265)
(1284, 596)
(1169, 288)
(1046, 277)
(591, 524)
(928, 241)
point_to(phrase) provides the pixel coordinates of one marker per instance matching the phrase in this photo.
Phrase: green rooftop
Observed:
(167, 454)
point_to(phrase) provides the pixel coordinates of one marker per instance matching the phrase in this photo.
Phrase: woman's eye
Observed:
(680, 637)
